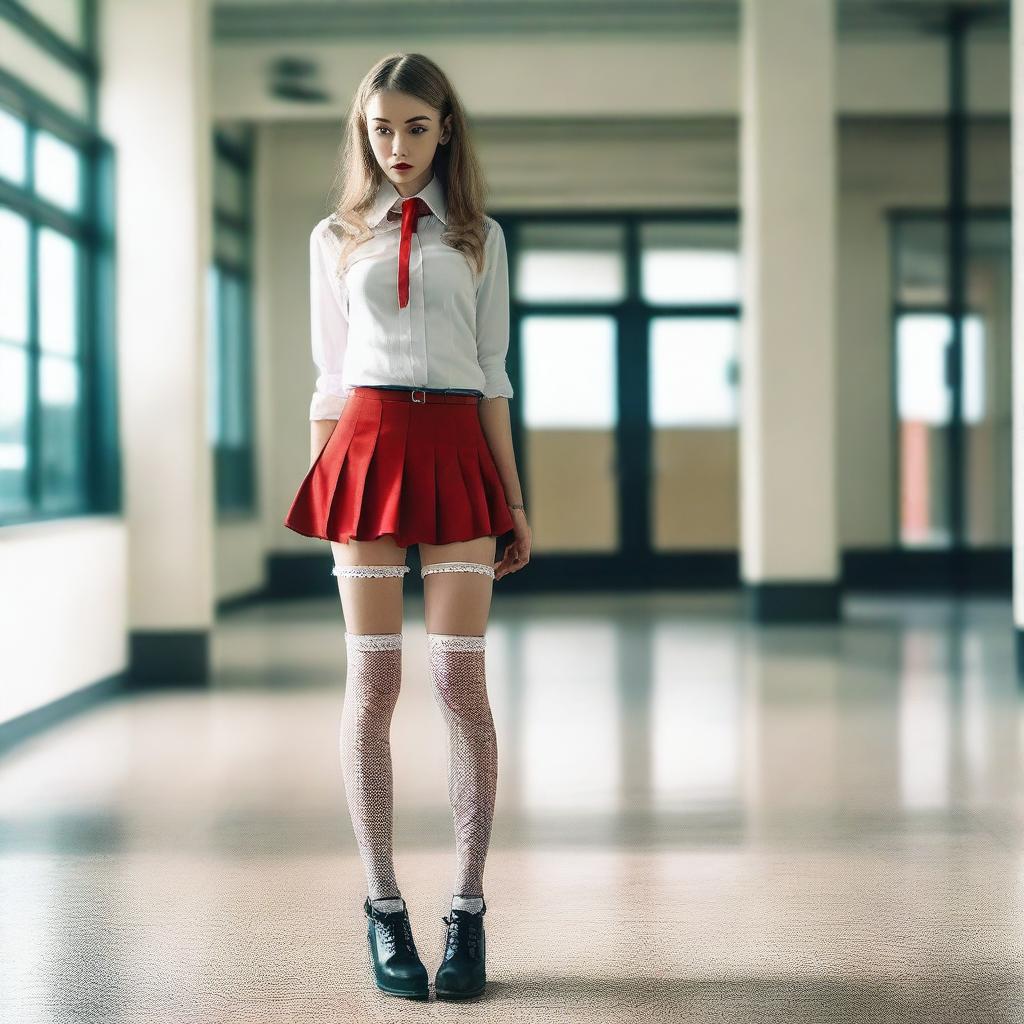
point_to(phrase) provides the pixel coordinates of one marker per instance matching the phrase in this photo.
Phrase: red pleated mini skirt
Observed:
(413, 464)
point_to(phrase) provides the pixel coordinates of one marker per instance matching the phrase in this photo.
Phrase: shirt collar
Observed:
(387, 195)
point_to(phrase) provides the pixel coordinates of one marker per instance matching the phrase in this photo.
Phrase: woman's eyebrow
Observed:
(408, 120)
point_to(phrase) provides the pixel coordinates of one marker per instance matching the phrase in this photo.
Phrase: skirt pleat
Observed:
(469, 463)
(454, 514)
(420, 472)
(419, 498)
(497, 509)
(344, 514)
(380, 510)
(313, 500)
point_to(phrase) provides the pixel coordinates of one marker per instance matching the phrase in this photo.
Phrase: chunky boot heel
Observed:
(463, 970)
(397, 968)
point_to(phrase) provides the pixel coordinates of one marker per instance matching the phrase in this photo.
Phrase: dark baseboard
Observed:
(793, 602)
(238, 602)
(900, 570)
(168, 658)
(869, 570)
(39, 719)
(303, 576)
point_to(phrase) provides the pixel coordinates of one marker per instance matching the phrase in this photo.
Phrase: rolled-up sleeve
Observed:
(329, 331)
(492, 315)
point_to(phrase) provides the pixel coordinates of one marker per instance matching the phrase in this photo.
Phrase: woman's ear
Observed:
(446, 131)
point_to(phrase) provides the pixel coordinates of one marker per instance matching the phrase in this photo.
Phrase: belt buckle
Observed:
(422, 392)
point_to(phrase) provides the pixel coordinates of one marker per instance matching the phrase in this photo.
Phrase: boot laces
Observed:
(463, 926)
(397, 929)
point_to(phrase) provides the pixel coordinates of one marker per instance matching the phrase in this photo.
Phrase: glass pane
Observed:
(13, 429)
(569, 365)
(58, 293)
(43, 72)
(692, 370)
(974, 358)
(58, 171)
(13, 277)
(235, 427)
(60, 456)
(694, 415)
(689, 263)
(12, 148)
(213, 276)
(238, 132)
(921, 267)
(987, 385)
(65, 17)
(564, 262)
(923, 409)
(570, 416)
(230, 246)
(229, 185)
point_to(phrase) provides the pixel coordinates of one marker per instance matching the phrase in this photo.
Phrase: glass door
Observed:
(690, 288)
(627, 340)
(568, 281)
(987, 385)
(937, 455)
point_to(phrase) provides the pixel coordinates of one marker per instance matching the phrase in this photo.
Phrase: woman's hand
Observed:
(319, 434)
(516, 553)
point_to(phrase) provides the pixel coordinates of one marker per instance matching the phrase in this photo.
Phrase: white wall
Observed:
(63, 608)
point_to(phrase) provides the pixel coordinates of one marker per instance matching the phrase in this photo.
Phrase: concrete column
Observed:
(1017, 159)
(154, 107)
(788, 513)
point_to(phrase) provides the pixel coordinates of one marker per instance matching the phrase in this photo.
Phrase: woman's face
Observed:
(405, 131)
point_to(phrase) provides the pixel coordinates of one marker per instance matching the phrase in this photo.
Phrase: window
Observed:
(569, 262)
(231, 409)
(58, 450)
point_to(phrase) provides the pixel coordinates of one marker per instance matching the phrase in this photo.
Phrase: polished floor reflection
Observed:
(698, 819)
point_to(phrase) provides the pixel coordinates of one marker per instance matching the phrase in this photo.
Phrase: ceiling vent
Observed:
(295, 79)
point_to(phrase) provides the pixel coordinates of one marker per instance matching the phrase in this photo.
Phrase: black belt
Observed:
(395, 393)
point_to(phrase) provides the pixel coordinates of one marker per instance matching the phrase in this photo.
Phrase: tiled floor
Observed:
(698, 820)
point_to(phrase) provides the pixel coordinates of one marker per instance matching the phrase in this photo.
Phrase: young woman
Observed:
(411, 444)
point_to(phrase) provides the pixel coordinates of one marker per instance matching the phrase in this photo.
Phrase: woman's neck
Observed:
(415, 187)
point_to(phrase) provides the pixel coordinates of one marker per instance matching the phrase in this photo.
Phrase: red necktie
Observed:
(412, 209)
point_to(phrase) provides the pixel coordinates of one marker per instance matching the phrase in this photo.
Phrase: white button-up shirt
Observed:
(452, 334)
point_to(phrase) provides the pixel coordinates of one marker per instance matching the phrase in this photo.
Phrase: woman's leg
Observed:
(370, 577)
(458, 580)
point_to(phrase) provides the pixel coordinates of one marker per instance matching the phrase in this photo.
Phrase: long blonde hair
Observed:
(359, 176)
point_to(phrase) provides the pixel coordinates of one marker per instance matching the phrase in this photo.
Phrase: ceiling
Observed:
(266, 20)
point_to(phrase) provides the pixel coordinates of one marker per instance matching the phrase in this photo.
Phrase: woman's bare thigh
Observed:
(370, 604)
(458, 602)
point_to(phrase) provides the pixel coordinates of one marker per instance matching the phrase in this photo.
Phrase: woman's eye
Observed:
(417, 130)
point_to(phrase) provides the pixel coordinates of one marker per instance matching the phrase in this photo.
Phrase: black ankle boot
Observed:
(463, 970)
(397, 967)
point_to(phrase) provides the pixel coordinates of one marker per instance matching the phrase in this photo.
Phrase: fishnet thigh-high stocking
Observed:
(460, 689)
(372, 685)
